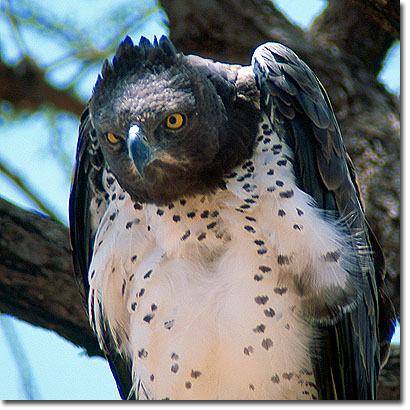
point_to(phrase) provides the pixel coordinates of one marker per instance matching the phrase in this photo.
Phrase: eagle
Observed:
(219, 238)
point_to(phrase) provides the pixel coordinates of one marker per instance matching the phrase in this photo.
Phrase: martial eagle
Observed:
(218, 234)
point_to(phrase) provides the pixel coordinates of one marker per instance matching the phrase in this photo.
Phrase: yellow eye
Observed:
(175, 121)
(112, 139)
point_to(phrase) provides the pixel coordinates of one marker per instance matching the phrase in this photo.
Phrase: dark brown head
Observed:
(167, 127)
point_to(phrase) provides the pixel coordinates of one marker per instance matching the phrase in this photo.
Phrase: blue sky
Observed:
(60, 370)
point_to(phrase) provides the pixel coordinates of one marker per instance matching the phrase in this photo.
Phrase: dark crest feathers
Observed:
(131, 58)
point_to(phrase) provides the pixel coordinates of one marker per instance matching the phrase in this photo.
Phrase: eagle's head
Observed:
(169, 125)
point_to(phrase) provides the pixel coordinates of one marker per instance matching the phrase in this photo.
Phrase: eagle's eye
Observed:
(175, 121)
(112, 139)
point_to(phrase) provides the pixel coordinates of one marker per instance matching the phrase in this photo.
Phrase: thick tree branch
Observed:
(37, 282)
(26, 87)
(361, 31)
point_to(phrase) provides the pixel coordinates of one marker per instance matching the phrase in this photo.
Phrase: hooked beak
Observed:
(138, 148)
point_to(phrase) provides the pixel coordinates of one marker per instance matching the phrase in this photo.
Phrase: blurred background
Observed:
(69, 40)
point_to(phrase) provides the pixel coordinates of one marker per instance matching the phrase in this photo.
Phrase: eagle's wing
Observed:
(348, 355)
(87, 204)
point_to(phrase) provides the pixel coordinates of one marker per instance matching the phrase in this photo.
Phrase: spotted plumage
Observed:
(218, 236)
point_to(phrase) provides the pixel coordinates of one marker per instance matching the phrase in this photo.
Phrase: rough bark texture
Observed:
(345, 46)
(36, 276)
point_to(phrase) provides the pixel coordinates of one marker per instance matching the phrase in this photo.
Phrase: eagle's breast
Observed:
(212, 289)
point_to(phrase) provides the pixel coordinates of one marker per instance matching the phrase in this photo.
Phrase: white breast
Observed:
(205, 288)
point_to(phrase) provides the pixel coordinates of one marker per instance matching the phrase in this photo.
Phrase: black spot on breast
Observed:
(270, 172)
(279, 183)
(249, 228)
(265, 269)
(299, 212)
(261, 300)
(148, 318)
(195, 373)
(233, 175)
(110, 181)
(188, 385)
(214, 214)
(147, 275)
(282, 162)
(113, 197)
(281, 212)
(174, 356)
(262, 251)
(280, 291)
(283, 260)
(168, 324)
(269, 312)
(250, 218)
(275, 378)
(182, 202)
(245, 206)
(257, 277)
(251, 387)
(259, 329)
(267, 343)
(137, 206)
(170, 206)
(152, 377)
(124, 284)
(204, 214)
(112, 216)
(133, 258)
(174, 367)
(191, 214)
(142, 354)
(211, 225)
(287, 376)
(331, 256)
(141, 292)
(133, 306)
(248, 350)
(297, 227)
(271, 188)
(154, 307)
(121, 197)
(160, 212)
(249, 201)
(286, 194)
(259, 242)
(267, 132)
(265, 126)
(92, 273)
(201, 236)
(185, 235)
(176, 218)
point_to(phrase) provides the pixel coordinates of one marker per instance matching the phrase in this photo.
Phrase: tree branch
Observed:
(37, 282)
(26, 87)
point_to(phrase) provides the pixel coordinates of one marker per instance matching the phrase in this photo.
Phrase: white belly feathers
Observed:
(207, 295)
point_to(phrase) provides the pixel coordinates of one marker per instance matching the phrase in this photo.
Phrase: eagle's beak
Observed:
(138, 148)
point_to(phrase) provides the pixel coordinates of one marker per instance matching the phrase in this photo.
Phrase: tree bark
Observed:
(37, 282)
(345, 46)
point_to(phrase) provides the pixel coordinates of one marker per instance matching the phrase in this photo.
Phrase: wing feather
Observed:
(87, 192)
(346, 357)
